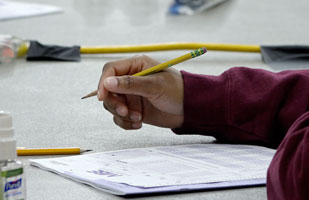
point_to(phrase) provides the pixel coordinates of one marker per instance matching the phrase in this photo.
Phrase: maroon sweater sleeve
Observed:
(256, 106)
(244, 105)
(288, 173)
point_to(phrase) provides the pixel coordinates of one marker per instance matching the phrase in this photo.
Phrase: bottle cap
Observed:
(7, 138)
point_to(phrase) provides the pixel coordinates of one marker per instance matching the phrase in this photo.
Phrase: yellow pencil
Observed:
(51, 151)
(162, 66)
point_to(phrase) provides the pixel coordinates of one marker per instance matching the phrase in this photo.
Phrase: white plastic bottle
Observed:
(12, 178)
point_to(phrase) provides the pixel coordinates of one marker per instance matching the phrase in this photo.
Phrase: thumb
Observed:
(145, 86)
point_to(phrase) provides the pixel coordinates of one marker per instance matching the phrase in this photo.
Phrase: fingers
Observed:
(123, 117)
(116, 105)
(112, 69)
(102, 92)
(122, 67)
(128, 125)
(146, 86)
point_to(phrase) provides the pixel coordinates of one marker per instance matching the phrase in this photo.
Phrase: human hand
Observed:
(155, 99)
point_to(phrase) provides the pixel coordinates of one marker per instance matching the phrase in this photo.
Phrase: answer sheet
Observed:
(166, 165)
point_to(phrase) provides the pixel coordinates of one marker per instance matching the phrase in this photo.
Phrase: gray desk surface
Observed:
(44, 97)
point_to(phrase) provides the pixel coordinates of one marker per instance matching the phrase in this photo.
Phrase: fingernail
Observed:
(136, 125)
(111, 82)
(121, 111)
(136, 117)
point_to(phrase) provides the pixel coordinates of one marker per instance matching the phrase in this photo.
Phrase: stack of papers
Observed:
(166, 168)
(13, 9)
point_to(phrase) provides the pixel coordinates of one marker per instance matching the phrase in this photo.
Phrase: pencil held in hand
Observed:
(162, 66)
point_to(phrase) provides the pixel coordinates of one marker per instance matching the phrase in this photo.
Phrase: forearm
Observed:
(244, 105)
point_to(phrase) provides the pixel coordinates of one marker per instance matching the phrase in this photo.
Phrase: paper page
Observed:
(13, 9)
(166, 166)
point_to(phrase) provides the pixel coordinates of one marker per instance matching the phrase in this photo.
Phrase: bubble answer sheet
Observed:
(166, 168)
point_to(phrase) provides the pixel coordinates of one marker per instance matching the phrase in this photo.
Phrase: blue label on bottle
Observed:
(12, 185)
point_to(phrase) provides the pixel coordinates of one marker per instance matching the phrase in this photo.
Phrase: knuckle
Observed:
(148, 59)
(137, 56)
(107, 66)
(127, 82)
(138, 59)
(143, 57)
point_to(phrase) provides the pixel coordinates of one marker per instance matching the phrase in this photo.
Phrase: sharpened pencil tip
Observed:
(87, 96)
(84, 150)
(94, 93)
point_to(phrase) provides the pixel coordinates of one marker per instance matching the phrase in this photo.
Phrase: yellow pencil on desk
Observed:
(162, 66)
(21, 151)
